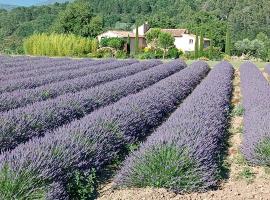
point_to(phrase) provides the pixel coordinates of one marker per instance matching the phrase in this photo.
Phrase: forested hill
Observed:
(245, 18)
(7, 6)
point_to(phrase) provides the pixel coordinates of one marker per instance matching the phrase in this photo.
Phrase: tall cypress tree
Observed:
(211, 50)
(228, 42)
(128, 45)
(201, 44)
(197, 45)
(137, 39)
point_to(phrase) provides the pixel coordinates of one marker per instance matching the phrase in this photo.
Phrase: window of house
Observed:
(190, 41)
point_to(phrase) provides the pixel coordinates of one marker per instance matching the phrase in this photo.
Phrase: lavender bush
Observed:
(14, 67)
(17, 126)
(52, 67)
(21, 98)
(256, 97)
(96, 139)
(32, 82)
(267, 68)
(183, 154)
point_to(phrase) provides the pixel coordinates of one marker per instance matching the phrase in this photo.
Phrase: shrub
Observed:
(116, 43)
(173, 53)
(183, 154)
(57, 45)
(267, 68)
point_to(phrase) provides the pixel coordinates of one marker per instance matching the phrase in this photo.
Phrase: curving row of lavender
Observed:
(51, 67)
(33, 82)
(19, 125)
(8, 61)
(26, 65)
(96, 139)
(267, 68)
(21, 98)
(256, 97)
(183, 154)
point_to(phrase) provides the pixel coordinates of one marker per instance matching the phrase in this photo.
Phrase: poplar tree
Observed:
(228, 42)
(137, 39)
(201, 44)
(197, 45)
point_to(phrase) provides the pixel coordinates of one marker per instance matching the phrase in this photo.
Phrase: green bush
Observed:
(159, 168)
(263, 151)
(57, 45)
(121, 54)
(82, 186)
(116, 43)
(174, 53)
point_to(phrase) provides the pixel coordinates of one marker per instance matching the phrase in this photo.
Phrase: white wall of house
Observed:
(187, 42)
(142, 29)
(108, 34)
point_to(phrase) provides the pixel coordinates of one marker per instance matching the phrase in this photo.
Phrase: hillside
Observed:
(245, 18)
(49, 2)
(7, 7)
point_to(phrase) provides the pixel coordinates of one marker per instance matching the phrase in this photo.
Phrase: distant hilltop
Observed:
(7, 7)
(48, 2)
(53, 1)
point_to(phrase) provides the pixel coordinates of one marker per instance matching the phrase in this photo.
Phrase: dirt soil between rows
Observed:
(244, 182)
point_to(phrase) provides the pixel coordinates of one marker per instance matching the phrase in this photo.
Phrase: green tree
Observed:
(165, 42)
(136, 46)
(197, 45)
(128, 45)
(201, 44)
(78, 18)
(211, 48)
(228, 42)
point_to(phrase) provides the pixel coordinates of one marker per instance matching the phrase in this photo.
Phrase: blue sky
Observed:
(20, 2)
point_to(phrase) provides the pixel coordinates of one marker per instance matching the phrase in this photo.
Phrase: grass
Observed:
(263, 151)
(246, 174)
(238, 110)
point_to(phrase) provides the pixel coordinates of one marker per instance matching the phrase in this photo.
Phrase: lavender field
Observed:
(65, 122)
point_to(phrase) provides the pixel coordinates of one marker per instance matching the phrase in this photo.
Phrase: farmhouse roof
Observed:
(123, 33)
(176, 32)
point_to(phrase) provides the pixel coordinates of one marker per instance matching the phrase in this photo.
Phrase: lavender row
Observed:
(183, 154)
(7, 61)
(21, 98)
(54, 67)
(96, 139)
(33, 82)
(267, 68)
(19, 125)
(30, 66)
(14, 66)
(256, 97)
